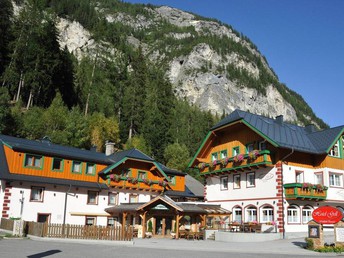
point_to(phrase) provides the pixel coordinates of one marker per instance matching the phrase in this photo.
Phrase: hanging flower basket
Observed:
(115, 178)
(162, 183)
(252, 155)
(307, 186)
(238, 158)
(224, 162)
(202, 165)
(213, 163)
(147, 181)
(132, 180)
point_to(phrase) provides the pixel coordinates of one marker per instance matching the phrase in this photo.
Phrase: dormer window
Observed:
(236, 151)
(223, 154)
(262, 145)
(334, 152)
(214, 156)
(33, 161)
(249, 147)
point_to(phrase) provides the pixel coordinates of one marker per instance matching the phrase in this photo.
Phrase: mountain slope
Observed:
(208, 63)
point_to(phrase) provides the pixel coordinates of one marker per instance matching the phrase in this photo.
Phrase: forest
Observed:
(84, 103)
(114, 93)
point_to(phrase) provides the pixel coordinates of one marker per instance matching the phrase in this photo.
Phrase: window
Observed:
(299, 176)
(214, 156)
(251, 214)
(250, 179)
(90, 169)
(306, 214)
(237, 214)
(236, 181)
(142, 175)
(293, 214)
(335, 179)
(223, 154)
(172, 179)
(111, 221)
(125, 172)
(34, 161)
(90, 221)
(113, 198)
(92, 197)
(262, 145)
(77, 167)
(57, 164)
(133, 198)
(249, 147)
(267, 214)
(334, 152)
(224, 183)
(36, 194)
(236, 151)
(43, 217)
(318, 178)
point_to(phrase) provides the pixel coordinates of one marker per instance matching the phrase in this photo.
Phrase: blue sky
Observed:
(303, 41)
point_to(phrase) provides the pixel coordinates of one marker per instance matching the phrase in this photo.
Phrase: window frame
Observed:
(223, 187)
(234, 212)
(94, 218)
(133, 195)
(293, 214)
(299, 172)
(214, 156)
(32, 165)
(235, 151)
(340, 180)
(41, 194)
(126, 173)
(236, 186)
(267, 217)
(222, 156)
(322, 177)
(115, 219)
(96, 197)
(61, 164)
(247, 147)
(332, 150)
(141, 172)
(262, 145)
(88, 165)
(81, 166)
(310, 210)
(116, 198)
(251, 213)
(248, 174)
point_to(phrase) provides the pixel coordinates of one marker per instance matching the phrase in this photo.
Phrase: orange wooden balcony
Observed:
(305, 191)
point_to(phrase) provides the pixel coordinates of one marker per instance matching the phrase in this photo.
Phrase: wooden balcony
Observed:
(244, 162)
(298, 191)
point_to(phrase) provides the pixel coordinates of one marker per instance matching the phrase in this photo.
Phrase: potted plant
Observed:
(149, 232)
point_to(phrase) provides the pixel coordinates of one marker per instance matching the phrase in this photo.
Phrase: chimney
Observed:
(109, 148)
(279, 119)
(310, 128)
(93, 148)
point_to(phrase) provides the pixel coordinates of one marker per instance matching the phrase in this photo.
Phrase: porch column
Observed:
(124, 222)
(143, 224)
(178, 217)
(203, 220)
(163, 227)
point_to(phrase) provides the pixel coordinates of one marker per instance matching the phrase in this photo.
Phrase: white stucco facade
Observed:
(64, 204)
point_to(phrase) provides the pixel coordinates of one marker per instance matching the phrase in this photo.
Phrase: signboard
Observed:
(327, 215)
(313, 231)
(160, 207)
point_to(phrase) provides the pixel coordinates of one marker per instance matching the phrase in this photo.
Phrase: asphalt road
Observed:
(19, 248)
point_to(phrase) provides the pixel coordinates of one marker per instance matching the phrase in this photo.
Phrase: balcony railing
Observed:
(237, 163)
(305, 191)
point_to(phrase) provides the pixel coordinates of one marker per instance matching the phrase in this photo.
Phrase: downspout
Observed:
(283, 216)
(65, 209)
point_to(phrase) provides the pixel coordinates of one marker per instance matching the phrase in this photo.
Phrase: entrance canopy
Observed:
(163, 207)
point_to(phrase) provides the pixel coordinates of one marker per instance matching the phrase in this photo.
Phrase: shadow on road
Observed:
(44, 254)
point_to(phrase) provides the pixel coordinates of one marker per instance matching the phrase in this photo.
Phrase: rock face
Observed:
(196, 75)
